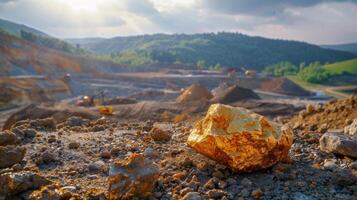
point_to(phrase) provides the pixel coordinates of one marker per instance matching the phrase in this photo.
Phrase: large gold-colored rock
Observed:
(240, 139)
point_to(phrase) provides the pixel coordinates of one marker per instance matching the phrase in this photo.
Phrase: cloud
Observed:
(259, 7)
(319, 21)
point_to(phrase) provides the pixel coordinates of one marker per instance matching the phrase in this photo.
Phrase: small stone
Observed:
(46, 157)
(74, 145)
(160, 135)
(98, 166)
(151, 153)
(216, 193)
(192, 196)
(75, 121)
(257, 194)
(105, 154)
(330, 165)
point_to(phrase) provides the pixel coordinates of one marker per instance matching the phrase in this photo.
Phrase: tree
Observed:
(201, 64)
(281, 69)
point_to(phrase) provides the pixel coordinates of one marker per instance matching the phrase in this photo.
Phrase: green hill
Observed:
(209, 49)
(349, 66)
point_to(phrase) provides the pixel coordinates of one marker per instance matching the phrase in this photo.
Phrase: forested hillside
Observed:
(351, 47)
(210, 49)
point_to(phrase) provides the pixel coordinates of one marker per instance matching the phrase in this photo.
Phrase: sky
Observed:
(314, 21)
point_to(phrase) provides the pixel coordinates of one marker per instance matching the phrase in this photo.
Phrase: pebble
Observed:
(215, 193)
(97, 166)
(330, 165)
(73, 145)
(192, 196)
(105, 154)
(151, 153)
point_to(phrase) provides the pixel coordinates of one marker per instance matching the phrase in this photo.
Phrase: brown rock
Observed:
(133, 177)
(74, 145)
(7, 138)
(105, 154)
(158, 134)
(10, 155)
(14, 183)
(240, 139)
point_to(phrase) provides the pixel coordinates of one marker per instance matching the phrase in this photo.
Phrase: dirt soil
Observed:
(336, 114)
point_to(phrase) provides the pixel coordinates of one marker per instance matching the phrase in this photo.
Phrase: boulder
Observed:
(14, 183)
(240, 139)
(134, 177)
(194, 93)
(10, 155)
(339, 144)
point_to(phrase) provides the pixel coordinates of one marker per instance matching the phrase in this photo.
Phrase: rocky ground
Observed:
(72, 159)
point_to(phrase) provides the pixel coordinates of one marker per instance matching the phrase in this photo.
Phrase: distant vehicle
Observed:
(85, 101)
(250, 73)
(67, 77)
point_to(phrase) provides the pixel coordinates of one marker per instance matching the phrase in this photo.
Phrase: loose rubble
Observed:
(73, 160)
